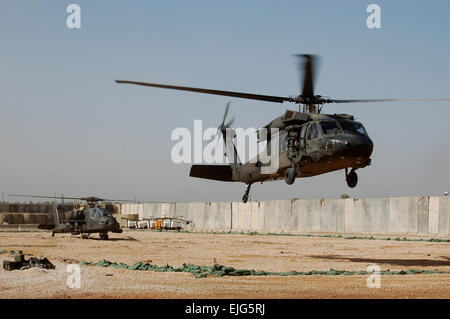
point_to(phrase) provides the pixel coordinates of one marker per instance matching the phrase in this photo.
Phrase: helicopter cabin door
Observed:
(313, 141)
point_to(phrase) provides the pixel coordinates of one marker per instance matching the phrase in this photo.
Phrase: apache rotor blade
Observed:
(268, 98)
(390, 100)
(38, 196)
(92, 198)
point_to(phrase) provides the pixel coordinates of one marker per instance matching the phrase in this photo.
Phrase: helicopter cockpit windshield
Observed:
(329, 127)
(105, 212)
(352, 127)
(99, 212)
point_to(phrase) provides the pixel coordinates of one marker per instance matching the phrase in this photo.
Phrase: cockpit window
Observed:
(313, 132)
(329, 127)
(352, 127)
(106, 213)
(95, 213)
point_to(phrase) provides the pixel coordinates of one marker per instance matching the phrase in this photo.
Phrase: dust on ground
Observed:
(259, 252)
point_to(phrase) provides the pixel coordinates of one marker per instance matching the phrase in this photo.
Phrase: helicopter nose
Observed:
(360, 146)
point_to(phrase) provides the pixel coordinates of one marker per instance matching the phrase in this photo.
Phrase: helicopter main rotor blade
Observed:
(227, 108)
(92, 198)
(230, 122)
(268, 98)
(390, 100)
(307, 68)
(38, 196)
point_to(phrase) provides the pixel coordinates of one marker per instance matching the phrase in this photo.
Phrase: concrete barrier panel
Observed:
(312, 211)
(244, 216)
(255, 218)
(247, 217)
(307, 215)
(398, 216)
(277, 216)
(261, 218)
(444, 216)
(182, 210)
(150, 210)
(404, 215)
(413, 215)
(328, 215)
(433, 215)
(366, 216)
(210, 217)
(139, 209)
(340, 215)
(217, 216)
(132, 209)
(167, 210)
(235, 216)
(195, 213)
(360, 218)
(299, 210)
(376, 215)
(349, 210)
(423, 215)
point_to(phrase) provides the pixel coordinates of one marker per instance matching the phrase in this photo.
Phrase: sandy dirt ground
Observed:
(259, 252)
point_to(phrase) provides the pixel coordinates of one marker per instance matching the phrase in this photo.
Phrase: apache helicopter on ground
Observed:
(93, 218)
(310, 143)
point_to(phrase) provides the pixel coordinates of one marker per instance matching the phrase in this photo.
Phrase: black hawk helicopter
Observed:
(310, 143)
(92, 218)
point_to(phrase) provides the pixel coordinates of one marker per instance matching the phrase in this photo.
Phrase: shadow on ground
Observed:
(128, 238)
(394, 262)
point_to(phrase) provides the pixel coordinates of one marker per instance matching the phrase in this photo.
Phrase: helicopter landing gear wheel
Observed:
(351, 178)
(85, 236)
(104, 236)
(247, 191)
(289, 176)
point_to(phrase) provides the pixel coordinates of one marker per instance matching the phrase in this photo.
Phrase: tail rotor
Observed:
(221, 130)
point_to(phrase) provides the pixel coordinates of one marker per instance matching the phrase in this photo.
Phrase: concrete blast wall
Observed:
(391, 215)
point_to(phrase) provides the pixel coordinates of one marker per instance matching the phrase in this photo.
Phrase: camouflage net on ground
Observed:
(220, 271)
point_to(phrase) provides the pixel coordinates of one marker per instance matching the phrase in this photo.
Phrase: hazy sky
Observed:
(66, 127)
